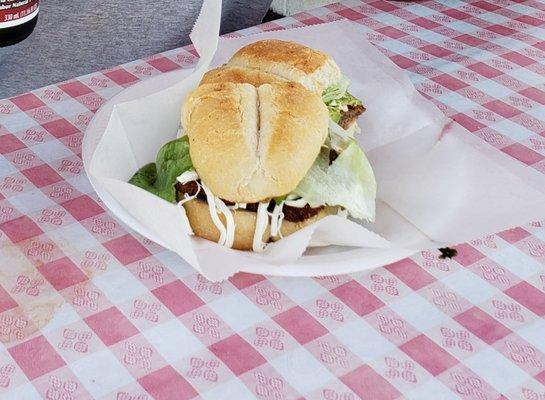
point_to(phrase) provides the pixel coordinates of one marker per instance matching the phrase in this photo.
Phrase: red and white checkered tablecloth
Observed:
(89, 309)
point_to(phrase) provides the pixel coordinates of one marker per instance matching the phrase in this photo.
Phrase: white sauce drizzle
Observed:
(230, 222)
(299, 203)
(277, 217)
(227, 231)
(236, 206)
(261, 222)
(187, 176)
(215, 206)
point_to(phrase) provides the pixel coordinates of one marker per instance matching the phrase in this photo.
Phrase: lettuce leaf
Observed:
(336, 97)
(338, 139)
(145, 177)
(348, 182)
(335, 91)
(159, 178)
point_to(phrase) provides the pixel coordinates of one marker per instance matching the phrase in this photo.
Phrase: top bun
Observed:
(313, 69)
(250, 144)
(252, 76)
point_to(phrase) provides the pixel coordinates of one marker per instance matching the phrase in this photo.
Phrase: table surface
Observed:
(89, 309)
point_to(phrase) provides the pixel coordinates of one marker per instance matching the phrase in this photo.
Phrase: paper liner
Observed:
(437, 184)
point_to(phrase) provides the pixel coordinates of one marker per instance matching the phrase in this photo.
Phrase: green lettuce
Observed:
(348, 182)
(338, 138)
(159, 177)
(336, 97)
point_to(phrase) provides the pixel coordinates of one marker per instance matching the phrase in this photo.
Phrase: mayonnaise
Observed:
(215, 206)
(188, 176)
(236, 206)
(187, 197)
(227, 232)
(277, 216)
(299, 203)
(229, 222)
(261, 222)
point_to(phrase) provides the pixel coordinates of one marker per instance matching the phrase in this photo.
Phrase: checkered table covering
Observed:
(89, 309)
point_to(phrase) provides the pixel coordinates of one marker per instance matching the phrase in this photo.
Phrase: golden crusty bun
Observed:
(249, 144)
(314, 69)
(252, 76)
(198, 214)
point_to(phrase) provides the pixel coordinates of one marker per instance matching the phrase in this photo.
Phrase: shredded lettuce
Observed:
(348, 182)
(280, 199)
(159, 177)
(336, 98)
(335, 91)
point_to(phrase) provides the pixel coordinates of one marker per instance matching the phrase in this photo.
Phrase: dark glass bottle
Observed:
(17, 20)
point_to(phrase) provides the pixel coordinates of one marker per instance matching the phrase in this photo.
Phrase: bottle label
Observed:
(17, 12)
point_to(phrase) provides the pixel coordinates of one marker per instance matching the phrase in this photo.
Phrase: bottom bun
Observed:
(198, 213)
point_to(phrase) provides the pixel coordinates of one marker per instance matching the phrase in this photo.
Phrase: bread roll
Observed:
(314, 69)
(249, 144)
(252, 76)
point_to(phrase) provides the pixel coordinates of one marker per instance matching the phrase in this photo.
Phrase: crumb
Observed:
(447, 252)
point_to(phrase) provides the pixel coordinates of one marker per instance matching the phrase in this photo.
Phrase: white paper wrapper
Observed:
(437, 183)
